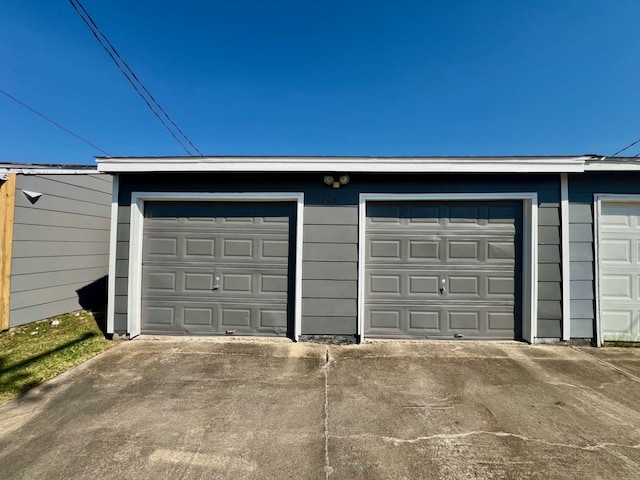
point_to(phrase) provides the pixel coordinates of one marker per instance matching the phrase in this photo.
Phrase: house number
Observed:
(328, 201)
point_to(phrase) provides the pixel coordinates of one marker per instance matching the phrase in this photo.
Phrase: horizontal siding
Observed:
(29, 282)
(329, 307)
(329, 289)
(29, 216)
(48, 233)
(330, 270)
(56, 204)
(25, 249)
(41, 264)
(549, 255)
(331, 233)
(26, 315)
(87, 188)
(47, 294)
(60, 244)
(330, 250)
(581, 218)
(320, 325)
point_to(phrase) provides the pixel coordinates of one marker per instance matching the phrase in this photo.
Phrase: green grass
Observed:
(36, 352)
(622, 344)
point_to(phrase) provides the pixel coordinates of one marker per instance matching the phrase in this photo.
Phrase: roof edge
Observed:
(379, 164)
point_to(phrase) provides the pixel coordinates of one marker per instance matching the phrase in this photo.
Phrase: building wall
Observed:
(330, 258)
(582, 188)
(60, 244)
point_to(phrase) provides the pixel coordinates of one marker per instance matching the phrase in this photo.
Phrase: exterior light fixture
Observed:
(334, 182)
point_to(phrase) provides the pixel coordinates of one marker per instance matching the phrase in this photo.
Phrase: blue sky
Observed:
(249, 77)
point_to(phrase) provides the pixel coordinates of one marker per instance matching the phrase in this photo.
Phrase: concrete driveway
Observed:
(187, 409)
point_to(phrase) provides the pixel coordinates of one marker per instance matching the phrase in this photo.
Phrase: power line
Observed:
(627, 148)
(131, 77)
(53, 121)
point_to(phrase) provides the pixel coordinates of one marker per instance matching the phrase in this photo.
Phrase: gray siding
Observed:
(60, 244)
(330, 269)
(581, 190)
(330, 251)
(549, 256)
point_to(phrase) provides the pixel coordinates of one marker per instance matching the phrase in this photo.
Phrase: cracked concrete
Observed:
(181, 408)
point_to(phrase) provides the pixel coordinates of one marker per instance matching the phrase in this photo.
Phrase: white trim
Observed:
(113, 245)
(135, 243)
(612, 165)
(598, 198)
(530, 247)
(565, 254)
(346, 164)
(52, 171)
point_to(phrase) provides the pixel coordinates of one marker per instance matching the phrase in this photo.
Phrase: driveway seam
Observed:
(607, 364)
(328, 469)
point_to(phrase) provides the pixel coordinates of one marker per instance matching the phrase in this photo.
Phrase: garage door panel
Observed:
(437, 320)
(160, 316)
(615, 251)
(617, 286)
(464, 285)
(385, 249)
(463, 250)
(424, 285)
(453, 273)
(206, 318)
(422, 249)
(493, 284)
(498, 250)
(619, 263)
(218, 268)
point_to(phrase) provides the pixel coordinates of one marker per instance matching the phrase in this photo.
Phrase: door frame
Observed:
(598, 198)
(138, 199)
(529, 251)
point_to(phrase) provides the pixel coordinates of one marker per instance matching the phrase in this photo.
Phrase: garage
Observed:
(619, 270)
(217, 268)
(443, 269)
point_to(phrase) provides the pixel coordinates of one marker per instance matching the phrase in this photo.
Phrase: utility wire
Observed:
(627, 148)
(131, 77)
(53, 121)
(135, 77)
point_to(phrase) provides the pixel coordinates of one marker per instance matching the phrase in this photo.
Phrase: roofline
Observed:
(615, 164)
(379, 164)
(48, 169)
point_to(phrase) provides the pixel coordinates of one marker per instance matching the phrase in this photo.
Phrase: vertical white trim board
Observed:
(113, 244)
(530, 247)
(565, 255)
(135, 244)
(598, 198)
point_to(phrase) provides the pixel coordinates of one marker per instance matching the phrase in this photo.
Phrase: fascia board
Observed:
(347, 164)
(609, 166)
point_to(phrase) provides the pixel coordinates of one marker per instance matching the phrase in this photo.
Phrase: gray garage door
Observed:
(217, 268)
(443, 269)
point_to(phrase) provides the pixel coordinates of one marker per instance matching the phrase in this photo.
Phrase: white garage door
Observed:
(619, 270)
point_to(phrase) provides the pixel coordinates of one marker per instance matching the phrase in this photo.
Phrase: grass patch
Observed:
(38, 351)
(621, 344)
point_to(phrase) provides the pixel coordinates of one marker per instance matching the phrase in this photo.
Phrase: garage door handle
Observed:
(217, 284)
(443, 288)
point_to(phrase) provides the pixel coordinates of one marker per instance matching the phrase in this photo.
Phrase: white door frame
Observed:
(598, 198)
(529, 247)
(136, 233)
